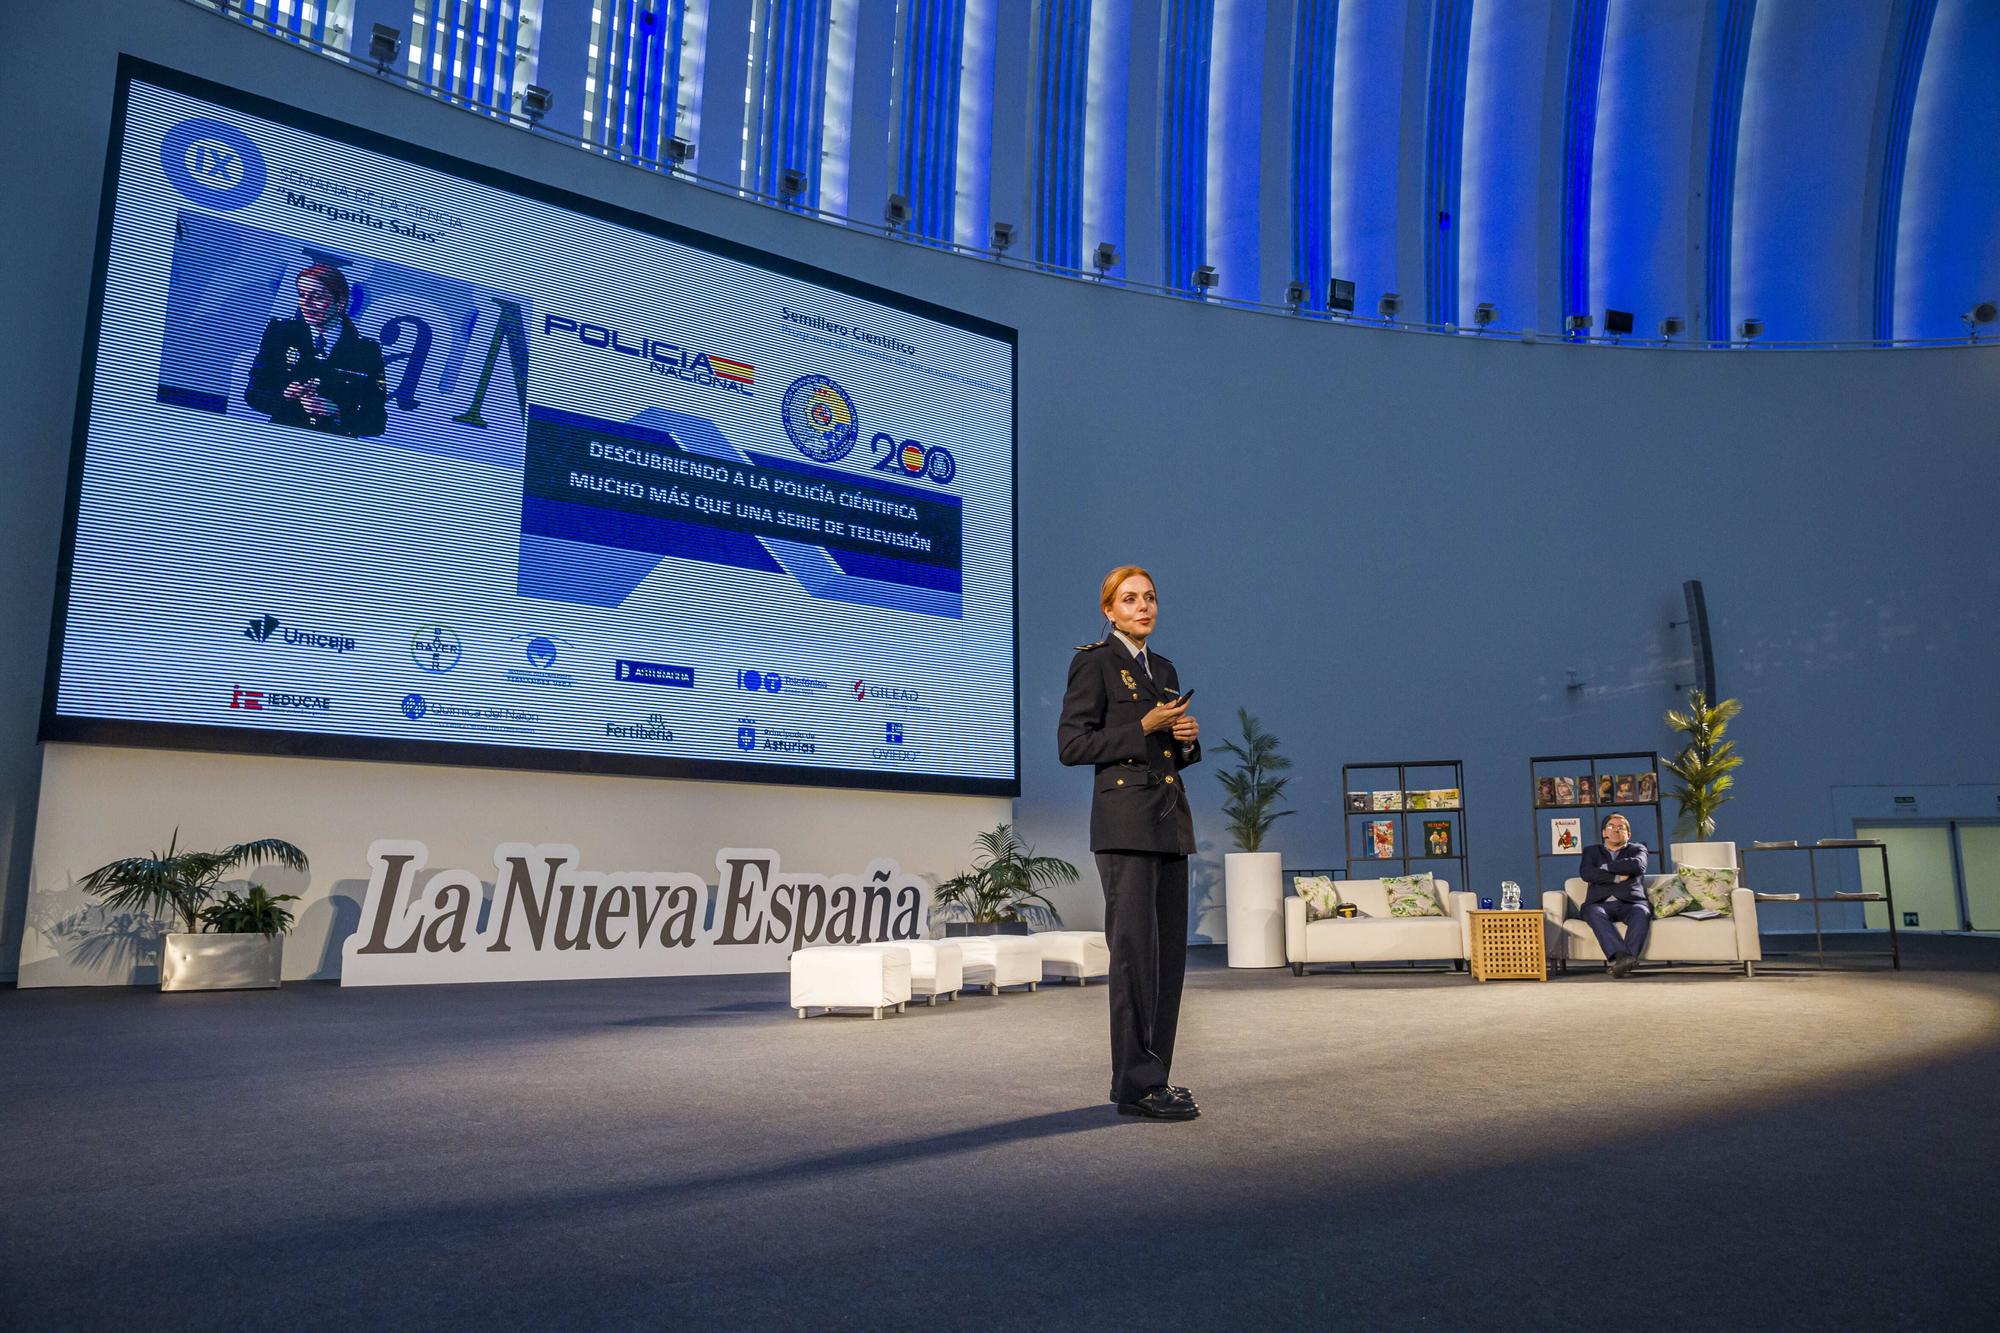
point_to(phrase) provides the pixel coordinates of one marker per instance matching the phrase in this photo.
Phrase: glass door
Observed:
(1922, 873)
(1979, 858)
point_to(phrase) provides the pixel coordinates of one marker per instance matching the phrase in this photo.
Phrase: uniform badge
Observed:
(291, 358)
(1130, 684)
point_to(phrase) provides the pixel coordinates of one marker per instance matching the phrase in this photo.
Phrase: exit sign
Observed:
(1909, 918)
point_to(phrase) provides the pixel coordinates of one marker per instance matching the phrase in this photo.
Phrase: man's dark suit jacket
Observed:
(1601, 868)
(1140, 802)
(351, 376)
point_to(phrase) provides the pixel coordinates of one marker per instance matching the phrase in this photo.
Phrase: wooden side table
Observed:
(1508, 945)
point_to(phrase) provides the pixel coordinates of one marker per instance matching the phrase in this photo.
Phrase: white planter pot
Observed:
(1704, 855)
(1254, 889)
(221, 962)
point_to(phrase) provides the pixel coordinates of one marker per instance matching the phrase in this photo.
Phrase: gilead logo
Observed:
(544, 917)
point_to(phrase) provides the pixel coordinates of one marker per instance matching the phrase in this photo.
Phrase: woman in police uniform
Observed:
(1122, 714)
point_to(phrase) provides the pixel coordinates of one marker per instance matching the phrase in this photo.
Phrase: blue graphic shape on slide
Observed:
(603, 502)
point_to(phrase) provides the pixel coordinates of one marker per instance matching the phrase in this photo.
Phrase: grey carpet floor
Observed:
(1379, 1150)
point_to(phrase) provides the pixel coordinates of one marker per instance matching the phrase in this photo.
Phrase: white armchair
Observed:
(1722, 939)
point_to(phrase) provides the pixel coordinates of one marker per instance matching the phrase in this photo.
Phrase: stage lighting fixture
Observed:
(1206, 277)
(1750, 328)
(1295, 295)
(536, 101)
(383, 44)
(1104, 257)
(1983, 313)
(1617, 322)
(1577, 326)
(1003, 236)
(1672, 325)
(791, 182)
(897, 211)
(1340, 296)
(1387, 307)
(679, 150)
(1485, 313)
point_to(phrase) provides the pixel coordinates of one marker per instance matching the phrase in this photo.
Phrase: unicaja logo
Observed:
(260, 628)
(212, 163)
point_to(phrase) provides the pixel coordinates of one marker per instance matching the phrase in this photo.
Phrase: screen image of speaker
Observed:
(383, 454)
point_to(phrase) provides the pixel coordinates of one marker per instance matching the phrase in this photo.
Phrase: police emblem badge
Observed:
(1130, 683)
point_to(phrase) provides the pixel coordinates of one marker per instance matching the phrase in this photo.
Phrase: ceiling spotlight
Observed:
(1485, 313)
(1003, 236)
(1295, 295)
(1577, 326)
(536, 101)
(791, 182)
(1340, 296)
(383, 44)
(1206, 277)
(1672, 325)
(897, 211)
(679, 150)
(1104, 257)
(1617, 322)
(1983, 313)
(1750, 328)
(1387, 307)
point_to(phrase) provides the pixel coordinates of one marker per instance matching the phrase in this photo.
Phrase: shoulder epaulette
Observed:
(1086, 647)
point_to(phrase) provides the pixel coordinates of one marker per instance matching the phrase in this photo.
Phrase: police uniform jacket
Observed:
(1139, 801)
(350, 372)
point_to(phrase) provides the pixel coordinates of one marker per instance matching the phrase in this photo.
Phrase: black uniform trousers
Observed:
(1145, 923)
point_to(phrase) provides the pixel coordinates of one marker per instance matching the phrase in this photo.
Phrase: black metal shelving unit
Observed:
(1542, 813)
(1402, 770)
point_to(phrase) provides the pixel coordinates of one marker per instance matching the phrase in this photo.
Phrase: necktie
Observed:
(319, 343)
(1142, 664)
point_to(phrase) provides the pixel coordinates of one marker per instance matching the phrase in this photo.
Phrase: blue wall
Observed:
(1383, 544)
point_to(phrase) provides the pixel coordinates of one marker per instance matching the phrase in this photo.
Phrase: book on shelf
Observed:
(1649, 788)
(1565, 836)
(1847, 842)
(1381, 838)
(1545, 791)
(1584, 794)
(1387, 800)
(1774, 846)
(1357, 802)
(1437, 837)
(1565, 791)
(1763, 897)
(1444, 798)
(1607, 788)
(1627, 788)
(1417, 800)
(1853, 896)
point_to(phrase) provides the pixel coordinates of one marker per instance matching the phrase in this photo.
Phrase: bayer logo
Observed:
(434, 648)
(212, 163)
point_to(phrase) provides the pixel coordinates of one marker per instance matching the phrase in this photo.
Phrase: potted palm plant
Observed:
(1003, 888)
(243, 945)
(1253, 879)
(1706, 769)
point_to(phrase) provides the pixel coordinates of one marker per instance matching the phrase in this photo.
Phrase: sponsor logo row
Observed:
(539, 659)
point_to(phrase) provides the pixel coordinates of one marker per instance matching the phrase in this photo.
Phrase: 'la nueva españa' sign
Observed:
(543, 917)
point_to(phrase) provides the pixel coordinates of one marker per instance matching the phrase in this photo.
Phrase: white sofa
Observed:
(1722, 939)
(1374, 936)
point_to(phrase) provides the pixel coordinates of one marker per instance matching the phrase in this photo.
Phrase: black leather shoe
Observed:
(1160, 1104)
(1622, 965)
(1181, 1093)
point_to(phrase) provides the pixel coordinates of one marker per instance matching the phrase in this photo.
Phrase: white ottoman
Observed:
(850, 976)
(1081, 954)
(937, 967)
(994, 961)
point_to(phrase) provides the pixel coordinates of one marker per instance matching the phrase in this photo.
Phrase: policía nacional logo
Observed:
(819, 416)
(213, 163)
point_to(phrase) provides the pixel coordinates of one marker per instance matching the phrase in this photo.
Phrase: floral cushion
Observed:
(1322, 899)
(1412, 895)
(1668, 897)
(1709, 888)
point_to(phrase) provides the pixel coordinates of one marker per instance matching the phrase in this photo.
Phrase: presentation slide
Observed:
(385, 455)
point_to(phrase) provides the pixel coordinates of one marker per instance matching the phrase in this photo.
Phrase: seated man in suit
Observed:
(1615, 869)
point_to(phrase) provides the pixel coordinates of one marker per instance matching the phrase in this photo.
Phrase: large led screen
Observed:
(383, 454)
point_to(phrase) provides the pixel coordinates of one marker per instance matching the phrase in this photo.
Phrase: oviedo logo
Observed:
(213, 163)
(819, 416)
